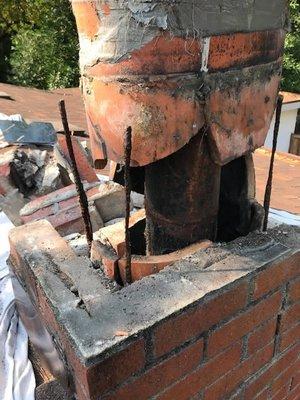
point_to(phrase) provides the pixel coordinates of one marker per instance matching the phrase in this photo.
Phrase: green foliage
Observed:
(44, 51)
(291, 64)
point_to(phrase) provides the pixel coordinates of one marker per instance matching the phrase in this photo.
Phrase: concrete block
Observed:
(109, 199)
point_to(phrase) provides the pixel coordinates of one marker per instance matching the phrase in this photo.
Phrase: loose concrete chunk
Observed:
(96, 219)
(109, 200)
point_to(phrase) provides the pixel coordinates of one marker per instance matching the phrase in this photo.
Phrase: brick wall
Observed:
(228, 329)
(241, 344)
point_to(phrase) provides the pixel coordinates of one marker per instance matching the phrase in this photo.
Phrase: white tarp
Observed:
(17, 380)
(278, 217)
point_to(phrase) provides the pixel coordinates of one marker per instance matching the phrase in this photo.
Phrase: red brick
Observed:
(294, 291)
(290, 317)
(243, 324)
(290, 337)
(193, 322)
(285, 378)
(281, 393)
(52, 209)
(259, 383)
(37, 204)
(85, 170)
(116, 369)
(234, 378)
(67, 221)
(263, 395)
(295, 379)
(294, 394)
(276, 275)
(205, 375)
(162, 375)
(261, 336)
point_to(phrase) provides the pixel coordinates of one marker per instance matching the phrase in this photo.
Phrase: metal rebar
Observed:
(83, 201)
(127, 158)
(268, 190)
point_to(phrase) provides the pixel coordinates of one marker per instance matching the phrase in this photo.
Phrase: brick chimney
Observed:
(220, 324)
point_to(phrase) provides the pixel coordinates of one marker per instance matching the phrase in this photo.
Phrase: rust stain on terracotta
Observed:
(147, 69)
(239, 120)
(245, 49)
(161, 120)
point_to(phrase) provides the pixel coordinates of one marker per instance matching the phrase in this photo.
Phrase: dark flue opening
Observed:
(137, 178)
(238, 212)
(137, 238)
(235, 208)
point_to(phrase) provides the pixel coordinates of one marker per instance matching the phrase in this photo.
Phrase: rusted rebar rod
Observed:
(83, 201)
(127, 157)
(268, 190)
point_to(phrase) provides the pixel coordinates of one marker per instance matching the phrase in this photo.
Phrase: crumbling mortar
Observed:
(239, 393)
(246, 76)
(241, 312)
(67, 281)
(153, 362)
(277, 336)
(190, 308)
(205, 347)
(245, 340)
(149, 348)
(198, 396)
(251, 290)
(267, 366)
(178, 349)
(291, 383)
(143, 21)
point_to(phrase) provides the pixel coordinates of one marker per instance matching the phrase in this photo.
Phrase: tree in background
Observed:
(44, 43)
(291, 64)
(12, 13)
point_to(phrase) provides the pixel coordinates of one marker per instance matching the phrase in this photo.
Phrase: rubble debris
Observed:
(34, 170)
(109, 199)
(109, 247)
(52, 198)
(61, 208)
(78, 244)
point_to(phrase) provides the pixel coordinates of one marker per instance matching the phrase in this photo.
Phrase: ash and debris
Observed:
(80, 247)
(35, 171)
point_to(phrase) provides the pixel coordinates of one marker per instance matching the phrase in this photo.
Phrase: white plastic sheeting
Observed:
(277, 217)
(17, 380)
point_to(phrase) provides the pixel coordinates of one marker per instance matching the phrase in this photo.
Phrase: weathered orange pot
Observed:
(168, 68)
